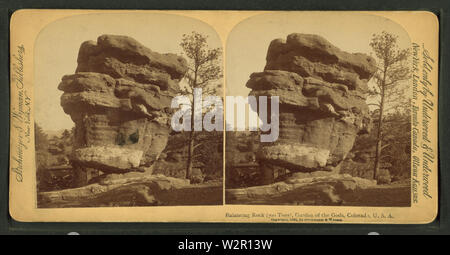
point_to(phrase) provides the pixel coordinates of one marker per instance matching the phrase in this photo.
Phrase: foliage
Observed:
(42, 154)
(395, 157)
(204, 70)
(241, 166)
(388, 91)
(208, 156)
(50, 152)
(204, 63)
(41, 138)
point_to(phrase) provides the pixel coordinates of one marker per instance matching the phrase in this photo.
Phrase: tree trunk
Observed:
(190, 144)
(81, 178)
(377, 159)
(190, 155)
(191, 134)
(267, 173)
(379, 134)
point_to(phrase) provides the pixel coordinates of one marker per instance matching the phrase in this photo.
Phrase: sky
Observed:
(248, 42)
(57, 45)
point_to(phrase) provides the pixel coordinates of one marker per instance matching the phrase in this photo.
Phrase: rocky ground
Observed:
(343, 190)
(135, 190)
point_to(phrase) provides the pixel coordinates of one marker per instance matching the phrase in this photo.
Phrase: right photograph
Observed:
(318, 111)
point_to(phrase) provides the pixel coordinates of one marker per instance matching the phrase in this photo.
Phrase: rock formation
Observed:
(119, 99)
(322, 92)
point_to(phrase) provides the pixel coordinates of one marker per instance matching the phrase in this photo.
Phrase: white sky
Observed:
(57, 46)
(248, 41)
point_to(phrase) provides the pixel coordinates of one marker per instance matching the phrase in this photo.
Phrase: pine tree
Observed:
(392, 70)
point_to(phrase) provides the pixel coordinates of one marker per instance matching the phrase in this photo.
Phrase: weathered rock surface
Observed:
(119, 99)
(322, 92)
(336, 189)
(321, 190)
(312, 55)
(123, 56)
(134, 189)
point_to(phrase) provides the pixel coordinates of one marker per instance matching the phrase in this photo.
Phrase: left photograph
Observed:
(109, 101)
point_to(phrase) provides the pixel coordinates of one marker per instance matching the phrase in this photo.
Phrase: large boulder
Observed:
(119, 99)
(322, 92)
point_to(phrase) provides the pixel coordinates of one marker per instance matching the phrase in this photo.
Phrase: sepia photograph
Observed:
(224, 116)
(342, 86)
(104, 94)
